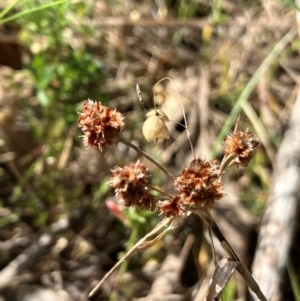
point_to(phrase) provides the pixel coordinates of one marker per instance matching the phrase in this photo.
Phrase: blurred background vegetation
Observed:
(224, 57)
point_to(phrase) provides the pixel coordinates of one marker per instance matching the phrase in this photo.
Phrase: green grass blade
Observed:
(250, 87)
(23, 13)
(294, 281)
(8, 9)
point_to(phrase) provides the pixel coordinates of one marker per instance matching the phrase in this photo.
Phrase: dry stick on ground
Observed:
(31, 254)
(280, 218)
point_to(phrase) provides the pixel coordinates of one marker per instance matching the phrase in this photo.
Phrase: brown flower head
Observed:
(199, 184)
(240, 146)
(99, 124)
(131, 186)
(172, 208)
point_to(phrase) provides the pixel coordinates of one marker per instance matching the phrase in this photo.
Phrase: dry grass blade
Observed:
(225, 269)
(241, 268)
(206, 216)
(67, 149)
(152, 242)
(93, 294)
(166, 282)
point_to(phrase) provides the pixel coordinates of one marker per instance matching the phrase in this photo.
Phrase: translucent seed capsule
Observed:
(154, 127)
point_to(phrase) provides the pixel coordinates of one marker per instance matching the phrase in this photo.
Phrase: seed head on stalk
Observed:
(196, 189)
(99, 124)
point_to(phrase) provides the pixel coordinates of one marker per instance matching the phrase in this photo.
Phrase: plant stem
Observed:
(8, 9)
(141, 152)
(165, 222)
(161, 191)
(241, 268)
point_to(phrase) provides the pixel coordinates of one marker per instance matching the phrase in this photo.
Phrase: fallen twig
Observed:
(31, 254)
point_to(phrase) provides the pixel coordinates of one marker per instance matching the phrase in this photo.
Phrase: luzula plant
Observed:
(196, 189)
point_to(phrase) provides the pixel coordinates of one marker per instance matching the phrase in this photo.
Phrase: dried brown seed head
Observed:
(172, 208)
(240, 146)
(99, 124)
(131, 186)
(199, 184)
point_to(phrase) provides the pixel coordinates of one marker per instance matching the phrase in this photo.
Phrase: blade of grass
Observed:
(8, 9)
(26, 12)
(294, 281)
(165, 222)
(250, 87)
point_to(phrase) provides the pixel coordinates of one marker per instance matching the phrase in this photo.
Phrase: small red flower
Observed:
(115, 209)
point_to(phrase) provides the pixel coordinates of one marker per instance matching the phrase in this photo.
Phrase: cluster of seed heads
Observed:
(197, 187)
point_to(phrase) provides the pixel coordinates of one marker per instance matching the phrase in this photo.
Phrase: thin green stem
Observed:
(294, 281)
(8, 9)
(26, 12)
